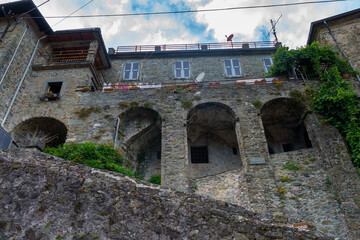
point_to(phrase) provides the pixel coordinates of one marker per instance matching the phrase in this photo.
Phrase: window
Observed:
(267, 63)
(131, 71)
(232, 68)
(182, 69)
(234, 150)
(199, 155)
(52, 91)
(54, 87)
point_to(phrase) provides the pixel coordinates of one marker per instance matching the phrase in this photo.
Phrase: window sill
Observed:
(45, 98)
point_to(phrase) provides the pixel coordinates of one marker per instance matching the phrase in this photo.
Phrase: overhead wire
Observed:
(193, 11)
(33, 9)
(72, 13)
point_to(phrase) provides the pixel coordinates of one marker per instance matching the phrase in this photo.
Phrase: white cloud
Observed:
(292, 28)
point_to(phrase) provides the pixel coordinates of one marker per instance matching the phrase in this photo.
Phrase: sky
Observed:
(203, 27)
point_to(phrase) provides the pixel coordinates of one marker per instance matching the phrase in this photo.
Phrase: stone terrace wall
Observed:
(44, 197)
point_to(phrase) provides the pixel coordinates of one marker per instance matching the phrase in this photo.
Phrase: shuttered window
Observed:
(267, 64)
(232, 67)
(182, 69)
(131, 71)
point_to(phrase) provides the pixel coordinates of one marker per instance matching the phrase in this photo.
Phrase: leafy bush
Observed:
(156, 179)
(93, 155)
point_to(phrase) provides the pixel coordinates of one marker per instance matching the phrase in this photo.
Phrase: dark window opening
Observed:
(234, 150)
(287, 147)
(271, 150)
(54, 87)
(199, 155)
(158, 154)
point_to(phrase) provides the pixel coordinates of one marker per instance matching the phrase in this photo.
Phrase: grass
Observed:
(86, 112)
(257, 103)
(292, 166)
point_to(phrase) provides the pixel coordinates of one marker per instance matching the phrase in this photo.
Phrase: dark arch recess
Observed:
(284, 127)
(40, 132)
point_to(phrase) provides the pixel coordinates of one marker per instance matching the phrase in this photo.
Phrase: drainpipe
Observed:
(21, 81)
(117, 132)
(333, 36)
(13, 57)
(7, 26)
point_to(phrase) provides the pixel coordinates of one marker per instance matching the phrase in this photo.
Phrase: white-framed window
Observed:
(267, 63)
(232, 67)
(182, 69)
(131, 71)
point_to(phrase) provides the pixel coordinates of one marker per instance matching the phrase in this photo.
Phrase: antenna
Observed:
(273, 24)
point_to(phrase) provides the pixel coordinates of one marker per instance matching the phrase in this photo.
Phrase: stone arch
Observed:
(212, 141)
(283, 121)
(140, 138)
(40, 132)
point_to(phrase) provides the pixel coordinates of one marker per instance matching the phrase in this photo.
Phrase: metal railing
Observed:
(70, 56)
(195, 46)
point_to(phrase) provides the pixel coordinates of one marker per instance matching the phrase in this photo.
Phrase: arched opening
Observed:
(40, 132)
(283, 121)
(212, 141)
(140, 137)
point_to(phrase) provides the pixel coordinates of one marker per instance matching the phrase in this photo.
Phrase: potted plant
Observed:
(86, 89)
(49, 94)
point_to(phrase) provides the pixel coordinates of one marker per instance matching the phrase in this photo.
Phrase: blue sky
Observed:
(246, 25)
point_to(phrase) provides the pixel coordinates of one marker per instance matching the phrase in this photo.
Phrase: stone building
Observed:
(341, 31)
(201, 115)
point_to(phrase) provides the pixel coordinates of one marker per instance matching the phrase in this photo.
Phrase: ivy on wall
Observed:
(334, 98)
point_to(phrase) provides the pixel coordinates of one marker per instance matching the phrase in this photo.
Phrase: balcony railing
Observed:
(70, 56)
(194, 46)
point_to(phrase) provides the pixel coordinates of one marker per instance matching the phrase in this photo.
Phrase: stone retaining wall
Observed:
(44, 197)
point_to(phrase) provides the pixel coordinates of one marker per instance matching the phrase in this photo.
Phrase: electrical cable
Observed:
(195, 11)
(33, 9)
(72, 13)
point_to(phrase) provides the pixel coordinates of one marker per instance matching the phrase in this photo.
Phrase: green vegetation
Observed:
(334, 98)
(328, 181)
(93, 155)
(86, 112)
(156, 179)
(186, 104)
(292, 166)
(257, 103)
(285, 179)
(281, 192)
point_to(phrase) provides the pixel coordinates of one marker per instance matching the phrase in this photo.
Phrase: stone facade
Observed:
(248, 155)
(346, 30)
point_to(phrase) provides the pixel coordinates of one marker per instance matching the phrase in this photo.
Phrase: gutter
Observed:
(13, 57)
(21, 81)
(342, 51)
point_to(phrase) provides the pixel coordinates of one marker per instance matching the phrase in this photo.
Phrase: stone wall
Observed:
(347, 33)
(161, 70)
(44, 197)
(256, 184)
(18, 66)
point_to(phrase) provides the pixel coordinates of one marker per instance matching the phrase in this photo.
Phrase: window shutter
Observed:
(127, 71)
(186, 67)
(135, 71)
(228, 67)
(178, 69)
(236, 66)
